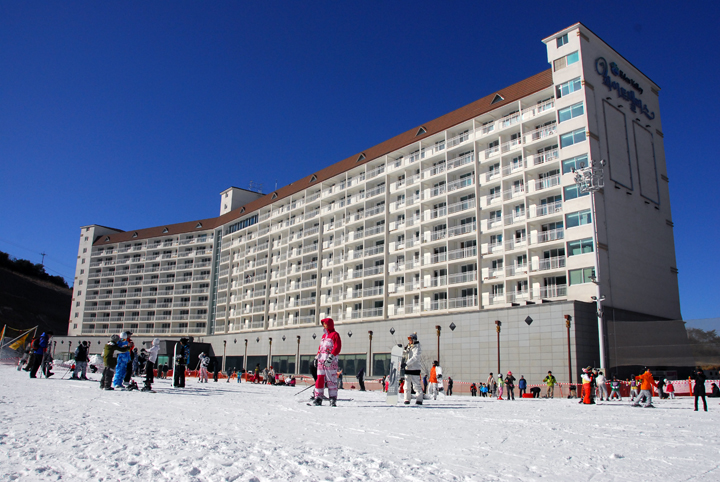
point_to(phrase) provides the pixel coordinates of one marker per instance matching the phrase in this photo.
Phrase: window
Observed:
(381, 364)
(351, 364)
(568, 87)
(572, 192)
(581, 246)
(578, 218)
(571, 112)
(83, 261)
(574, 163)
(562, 40)
(569, 59)
(581, 276)
(567, 140)
(82, 271)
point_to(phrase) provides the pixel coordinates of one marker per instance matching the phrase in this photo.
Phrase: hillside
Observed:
(26, 302)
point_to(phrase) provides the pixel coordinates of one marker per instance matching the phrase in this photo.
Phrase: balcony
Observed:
(513, 192)
(460, 184)
(461, 161)
(463, 302)
(466, 277)
(557, 291)
(549, 208)
(374, 291)
(541, 133)
(535, 110)
(462, 253)
(435, 281)
(545, 157)
(462, 229)
(551, 235)
(547, 182)
(551, 263)
(514, 217)
(458, 139)
(370, 313)
(515, 243)
(375, 192)
(516, 269)
(517, 296)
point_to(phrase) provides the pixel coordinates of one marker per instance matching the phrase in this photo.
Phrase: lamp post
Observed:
(224, 350)
(269, 362)
(590, 180)
(497, 328)
(369, 360)
(568, 318)
(297, 356)
(245, 356)
(437, 330)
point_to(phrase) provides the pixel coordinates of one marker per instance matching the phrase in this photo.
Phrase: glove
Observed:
(315, 362)
(403, 365)
(329, 360)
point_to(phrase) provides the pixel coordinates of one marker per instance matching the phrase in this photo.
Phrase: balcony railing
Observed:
(557, 291)
(547, 182)
(551, 235)
(549, 208)
(466, 277)
(463, 302)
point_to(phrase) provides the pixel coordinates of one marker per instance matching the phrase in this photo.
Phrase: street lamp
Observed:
(437, 330)
(590, 180)
(497, 328)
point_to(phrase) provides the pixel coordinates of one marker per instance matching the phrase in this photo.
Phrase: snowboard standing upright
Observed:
(396, 355)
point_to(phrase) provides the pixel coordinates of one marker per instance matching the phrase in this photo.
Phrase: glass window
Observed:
(381, 364)
(351, 364)
(562, 40)
(574, 163)
(573, 57)
(567, 140)
(581, 246)
(571, 112)
(572, 192)
(578, 218)
(581, 276)
(568, 87)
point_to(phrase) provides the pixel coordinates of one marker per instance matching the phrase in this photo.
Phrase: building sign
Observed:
(604, 70)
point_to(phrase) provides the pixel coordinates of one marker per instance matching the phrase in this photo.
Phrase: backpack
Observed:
(35, 344)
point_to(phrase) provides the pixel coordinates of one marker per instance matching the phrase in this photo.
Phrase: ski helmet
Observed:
(123, 335)
(115, 338)
(413, 337)
(156, 341)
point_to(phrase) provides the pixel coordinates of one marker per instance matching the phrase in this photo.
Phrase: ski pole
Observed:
(68, 371)
(304, 389)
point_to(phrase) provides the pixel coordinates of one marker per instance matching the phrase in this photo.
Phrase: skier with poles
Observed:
(326, 362)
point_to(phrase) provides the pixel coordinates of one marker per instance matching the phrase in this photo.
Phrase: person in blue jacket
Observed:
(39, 348)
(122, 360)
(522, 386)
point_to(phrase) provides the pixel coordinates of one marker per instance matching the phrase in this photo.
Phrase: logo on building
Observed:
(604, 70)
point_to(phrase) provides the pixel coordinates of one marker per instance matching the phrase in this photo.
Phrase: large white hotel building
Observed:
(466, 219)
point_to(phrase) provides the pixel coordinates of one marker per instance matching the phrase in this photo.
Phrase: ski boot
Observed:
(318, 401)
(333, 401)
(74, 378)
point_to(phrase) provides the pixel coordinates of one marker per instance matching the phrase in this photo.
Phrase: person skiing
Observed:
(110, 354)
(204, 362)
(647, 382)
(510, 385)
(435, 376)
(633, 388)
(413, 367)
(550, 381)
(150, 365)
(587, 384)
(39, 347)
(81, 359)
(522, 386)
(182, 358)
(123, 359)
(699, 387)
(615, 390)
(326, 361)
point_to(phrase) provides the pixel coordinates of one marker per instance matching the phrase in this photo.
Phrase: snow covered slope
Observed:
(52, 429)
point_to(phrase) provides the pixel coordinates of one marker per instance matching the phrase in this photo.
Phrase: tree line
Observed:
(27, 268)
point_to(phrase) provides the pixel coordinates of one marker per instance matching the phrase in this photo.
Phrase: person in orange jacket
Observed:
(647, 382)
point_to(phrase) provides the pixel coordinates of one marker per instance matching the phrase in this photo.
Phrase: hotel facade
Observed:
(471, 218)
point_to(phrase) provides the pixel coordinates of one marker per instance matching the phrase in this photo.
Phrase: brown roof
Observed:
(510, 94)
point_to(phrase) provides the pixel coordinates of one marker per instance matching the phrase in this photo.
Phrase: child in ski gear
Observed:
(326, 362)
(413, 366)
(670, 389)
(473, 390)
(633, 388)
(587, 386)
(601, 383)
(522, 386)
(500, 386)
(510, 385)
(110, 354)
(615, 390)
(204, 362)
(550, 381)
(150, 364)
(435, 375)
(81, 359)
(256, 379)
(647, 382)
(699, 388)
(123, 359)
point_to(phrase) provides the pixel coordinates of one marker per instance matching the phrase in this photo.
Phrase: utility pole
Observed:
(437, 329)
(497, 328)
(43, 260)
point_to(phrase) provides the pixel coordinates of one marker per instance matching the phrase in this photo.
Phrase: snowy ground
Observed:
(54, 429)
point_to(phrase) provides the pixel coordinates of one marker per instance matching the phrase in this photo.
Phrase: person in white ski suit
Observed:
(150, 365)
(601, 391)
(204, 362)
(413, 368)
(326, 361)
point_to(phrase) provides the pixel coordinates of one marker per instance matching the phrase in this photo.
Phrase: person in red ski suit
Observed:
(327, 363)
(587, 386)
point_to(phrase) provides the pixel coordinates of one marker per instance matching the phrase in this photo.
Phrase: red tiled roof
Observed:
(510, 94)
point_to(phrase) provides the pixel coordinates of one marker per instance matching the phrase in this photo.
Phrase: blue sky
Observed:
(136, 114)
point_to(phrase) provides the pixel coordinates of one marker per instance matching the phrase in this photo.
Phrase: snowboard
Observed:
(396, 355)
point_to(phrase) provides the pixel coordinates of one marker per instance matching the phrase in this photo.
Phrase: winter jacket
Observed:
(414, 362)
(550, 380)
(435, 374)
(44, 341)
(510, 381)
(81, 353)
(109, 355)
(699, 388)
(601, 380)
(646, 381)
(154, 350)
(330, 343)
(522, 384)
